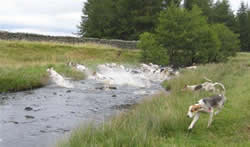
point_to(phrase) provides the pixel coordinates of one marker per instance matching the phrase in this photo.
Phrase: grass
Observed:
(23, 64)
(162, 120)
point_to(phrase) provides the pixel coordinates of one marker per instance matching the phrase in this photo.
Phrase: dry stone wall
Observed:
(67, 39)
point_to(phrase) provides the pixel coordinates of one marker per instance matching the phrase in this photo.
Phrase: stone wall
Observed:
(67, 39)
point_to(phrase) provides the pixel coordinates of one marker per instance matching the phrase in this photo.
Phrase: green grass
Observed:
(162, 120)
(29, 77)
(23, 64)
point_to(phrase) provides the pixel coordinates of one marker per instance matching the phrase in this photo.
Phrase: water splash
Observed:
(115, 74)
(143, 76)
(119, 75)
(58, 79)
(81, 68)
(84, 103)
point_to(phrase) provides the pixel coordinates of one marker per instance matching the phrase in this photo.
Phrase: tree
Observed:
(222, 13)
(136, 17)
(152, 51)
(185, 36)
(98, 19)
(229, 42)
(120, 19)
(243, 21)
(204, 5)
(248, 30)
(188, 4)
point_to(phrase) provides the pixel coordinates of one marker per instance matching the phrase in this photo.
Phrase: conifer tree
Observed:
(243, 21)
(205, 5)
(222, 13)
(121, 19)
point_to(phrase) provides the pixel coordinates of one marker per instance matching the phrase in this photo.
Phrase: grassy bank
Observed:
(162, 120)
(23, 64)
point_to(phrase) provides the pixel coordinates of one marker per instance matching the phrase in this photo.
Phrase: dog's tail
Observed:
(222, 86)
(207, 79)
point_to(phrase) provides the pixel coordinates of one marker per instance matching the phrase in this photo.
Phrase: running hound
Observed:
(207, 86)
(206, 105)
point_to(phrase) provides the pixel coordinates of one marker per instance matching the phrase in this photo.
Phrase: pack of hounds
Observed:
(207, 104)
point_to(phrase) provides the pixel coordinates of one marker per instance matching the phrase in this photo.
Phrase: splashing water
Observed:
(87, 102)
(118, 75)
(113, 74)
(81, 68)
(58, 79)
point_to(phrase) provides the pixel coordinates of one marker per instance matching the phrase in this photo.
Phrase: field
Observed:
(23, 64)
(162, 121)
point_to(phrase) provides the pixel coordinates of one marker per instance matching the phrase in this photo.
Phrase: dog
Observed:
(191, 67)
(58, 79)
(206, 86)
(78, 67)
(206, 105)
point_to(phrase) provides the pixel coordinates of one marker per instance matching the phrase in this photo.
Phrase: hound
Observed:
(191, 67)
(58, 79)
(78, 67)
(206, 105)
(207, 86)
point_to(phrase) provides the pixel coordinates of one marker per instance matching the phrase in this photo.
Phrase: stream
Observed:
(41, 117)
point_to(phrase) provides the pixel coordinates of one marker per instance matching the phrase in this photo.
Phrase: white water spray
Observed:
(141, 77)
(118, 75)
(114, 74)
(81, 68)
(58, 79)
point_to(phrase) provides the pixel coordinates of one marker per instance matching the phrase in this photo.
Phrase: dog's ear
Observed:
(195, 108)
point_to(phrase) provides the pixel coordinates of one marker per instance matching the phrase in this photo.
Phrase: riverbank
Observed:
(23, 64)
(162, 120)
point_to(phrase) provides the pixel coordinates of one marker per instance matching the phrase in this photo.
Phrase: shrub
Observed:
(183, 37)
(187, 36)
(229, 42)
(152, 51)
(206, 47)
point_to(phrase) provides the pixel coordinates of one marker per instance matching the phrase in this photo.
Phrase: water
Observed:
(40, 117)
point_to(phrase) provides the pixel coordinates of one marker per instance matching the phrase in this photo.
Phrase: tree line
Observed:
(120, 19)
(220, 12)
(199, 31)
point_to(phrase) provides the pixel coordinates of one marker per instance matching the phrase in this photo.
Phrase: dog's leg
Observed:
(196, 117)
(219, 109)
(210, 118)
(217, 112)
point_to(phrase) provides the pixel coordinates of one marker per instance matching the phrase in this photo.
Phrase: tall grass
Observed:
(23, 64)
(15, 79)
(162, 120)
